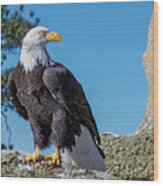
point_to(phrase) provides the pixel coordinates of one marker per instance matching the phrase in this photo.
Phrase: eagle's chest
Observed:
(32, 92)
(31, 82)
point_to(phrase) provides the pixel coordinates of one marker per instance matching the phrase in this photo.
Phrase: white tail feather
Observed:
(85, 153)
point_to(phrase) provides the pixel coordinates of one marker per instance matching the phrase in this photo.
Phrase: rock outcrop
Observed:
(148, 63)
(11, 166)
(129, 158)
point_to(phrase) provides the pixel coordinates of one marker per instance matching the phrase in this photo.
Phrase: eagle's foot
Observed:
(29, 159)
(33, 158)
(55, 159)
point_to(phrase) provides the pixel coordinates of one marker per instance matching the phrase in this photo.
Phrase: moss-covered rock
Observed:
(128, 157)
(11, 166)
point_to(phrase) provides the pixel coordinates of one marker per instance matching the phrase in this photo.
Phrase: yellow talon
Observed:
(55, 158)
(33, 158)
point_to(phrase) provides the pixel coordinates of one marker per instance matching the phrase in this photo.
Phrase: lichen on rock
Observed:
(11, 166)
(129, 157)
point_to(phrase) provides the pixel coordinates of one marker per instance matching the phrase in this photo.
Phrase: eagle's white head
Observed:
(33, 51)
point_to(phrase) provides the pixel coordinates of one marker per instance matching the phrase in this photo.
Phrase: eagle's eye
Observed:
(43, 33)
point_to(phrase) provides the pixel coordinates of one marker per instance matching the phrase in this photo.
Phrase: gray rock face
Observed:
(148, 62)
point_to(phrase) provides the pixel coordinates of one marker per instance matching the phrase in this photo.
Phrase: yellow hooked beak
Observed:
(54, 36)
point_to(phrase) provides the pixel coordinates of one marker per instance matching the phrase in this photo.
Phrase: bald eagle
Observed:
(48, 95)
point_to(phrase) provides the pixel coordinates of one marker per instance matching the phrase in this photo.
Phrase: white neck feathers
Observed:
(32, 56)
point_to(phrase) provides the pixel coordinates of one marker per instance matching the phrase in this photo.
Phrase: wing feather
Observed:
(13, 95)
(65, 89)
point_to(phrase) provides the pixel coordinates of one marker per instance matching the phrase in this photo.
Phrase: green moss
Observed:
(129, 157)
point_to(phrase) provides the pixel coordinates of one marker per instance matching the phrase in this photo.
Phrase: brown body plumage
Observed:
(49, 96)
(34, 101)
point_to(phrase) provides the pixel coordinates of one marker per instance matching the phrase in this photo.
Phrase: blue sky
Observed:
(102, 44)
